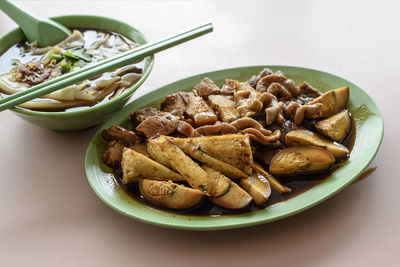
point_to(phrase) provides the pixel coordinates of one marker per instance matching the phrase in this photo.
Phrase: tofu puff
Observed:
(221, 190)
(170, 162)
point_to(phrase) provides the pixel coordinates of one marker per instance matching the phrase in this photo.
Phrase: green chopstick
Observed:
(102, 66)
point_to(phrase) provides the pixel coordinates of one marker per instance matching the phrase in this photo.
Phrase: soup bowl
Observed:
(87, 116)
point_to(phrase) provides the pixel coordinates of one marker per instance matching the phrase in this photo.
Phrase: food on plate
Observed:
(301, 159)
(336, 126)
(25, 65)
(135, 166)
(309, 138)
(235, 148)
(169, 195)
(332, 101)
(257, 186)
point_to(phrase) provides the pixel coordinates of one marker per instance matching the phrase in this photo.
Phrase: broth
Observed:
(91, 38)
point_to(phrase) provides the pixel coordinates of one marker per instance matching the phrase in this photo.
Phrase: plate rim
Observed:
(188, 225)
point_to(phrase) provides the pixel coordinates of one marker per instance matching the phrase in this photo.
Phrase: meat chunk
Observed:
(34, 73)
(307, 93)
(113, 155)
(175, 103)
(142, 114)
(186, 129)
(217, 128)
(207, 87)
(246, 99)
(229, 87)
(198, 110)
(254, 79)
(224, 107)
(161, 124)
(277, 77)
(117, 133)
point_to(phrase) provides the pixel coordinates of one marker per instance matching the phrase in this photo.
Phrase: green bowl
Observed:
(84, 118)
(369, 133)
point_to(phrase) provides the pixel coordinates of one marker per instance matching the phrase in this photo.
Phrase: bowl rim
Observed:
(127, 93)
(179, 224)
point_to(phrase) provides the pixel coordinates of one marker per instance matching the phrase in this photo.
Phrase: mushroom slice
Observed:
(135, 166)
(169, 195)
(193, 151)
(233, 149)
(257, 186)
(164, 151)
(221, 182)
(301, 159)
(335, 127)
(332, 101)
(308, 138)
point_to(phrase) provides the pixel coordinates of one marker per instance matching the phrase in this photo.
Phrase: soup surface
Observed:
(24, 65)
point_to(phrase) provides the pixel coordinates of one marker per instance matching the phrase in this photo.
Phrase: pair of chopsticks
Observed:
(102, 66)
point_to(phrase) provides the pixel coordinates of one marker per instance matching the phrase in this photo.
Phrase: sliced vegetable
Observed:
(79, 64)
(57, 57)
(82, 54)
(65, 65)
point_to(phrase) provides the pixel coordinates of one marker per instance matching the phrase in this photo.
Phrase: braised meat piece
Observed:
(217, 128)
(198, 110)
(307, 93)
(186, 129)
(278, 77)
(34, 73)
(247, 102)
(117, 133)
(142, 114)
(229, 87)
(286, 127)
(254, 79)
(113, 155)
(163, 123)
(224, 107)
(207, 87)
(175, 103)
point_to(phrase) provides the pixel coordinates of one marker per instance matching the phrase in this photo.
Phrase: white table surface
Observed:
(51, 217)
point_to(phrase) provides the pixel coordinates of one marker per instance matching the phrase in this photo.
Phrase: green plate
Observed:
(369, 133)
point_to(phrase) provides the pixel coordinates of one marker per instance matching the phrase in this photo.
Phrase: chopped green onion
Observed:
(57, 57)
(79, 54)
(80, 64)
(65, 66)
(71, 55)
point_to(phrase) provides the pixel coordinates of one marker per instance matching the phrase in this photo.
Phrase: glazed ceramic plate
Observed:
(369, 132)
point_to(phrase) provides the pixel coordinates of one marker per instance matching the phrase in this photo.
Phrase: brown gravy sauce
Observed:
(299, 184)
